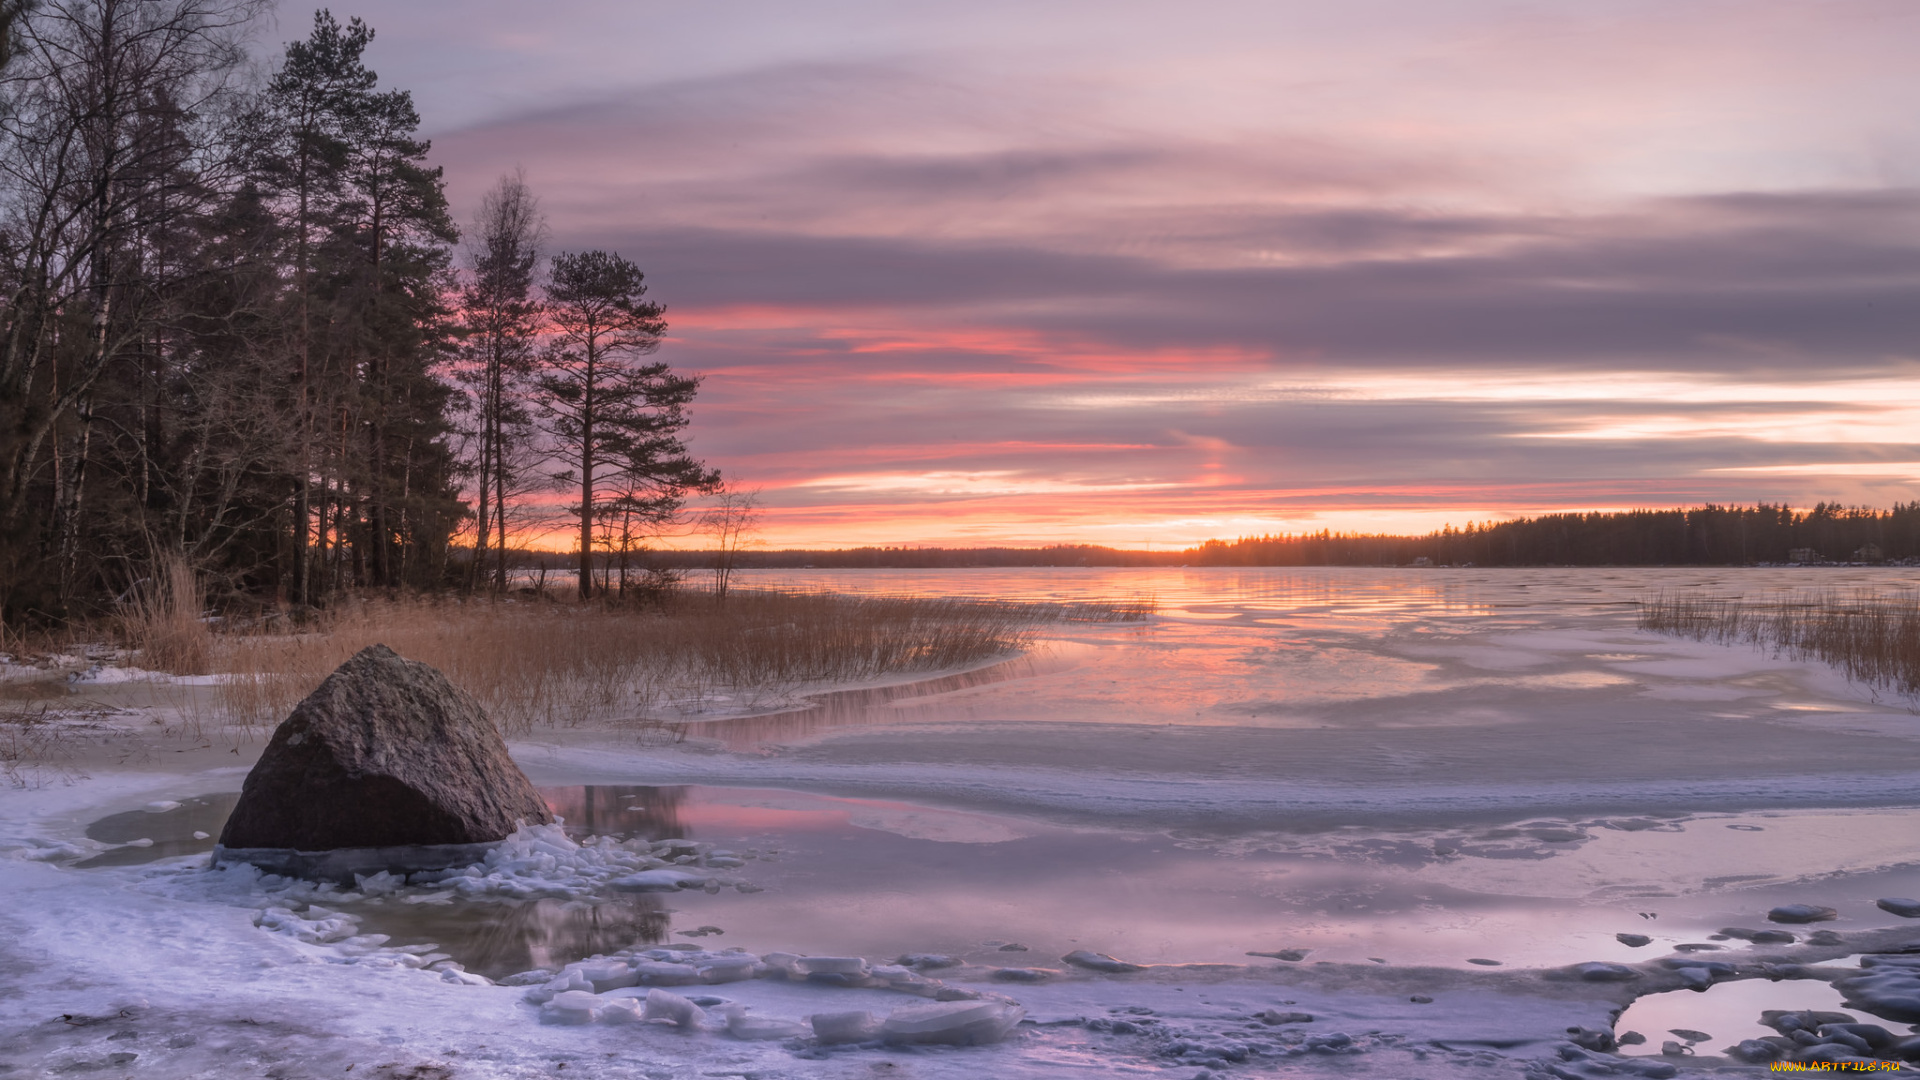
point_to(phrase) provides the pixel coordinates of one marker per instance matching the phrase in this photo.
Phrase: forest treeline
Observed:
(240, 329)
(1702, 536)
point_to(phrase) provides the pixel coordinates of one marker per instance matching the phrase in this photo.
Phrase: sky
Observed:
(1145, 274)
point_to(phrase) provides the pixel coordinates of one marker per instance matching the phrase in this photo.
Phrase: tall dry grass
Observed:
(1873, 638)
(162, 617)
(537, 662)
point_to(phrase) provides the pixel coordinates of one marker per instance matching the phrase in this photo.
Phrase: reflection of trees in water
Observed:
(625, 811)
(502, 938)
(862, 707)
(497, 938)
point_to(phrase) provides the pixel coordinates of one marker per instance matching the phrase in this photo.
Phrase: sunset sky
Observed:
(1139, 274)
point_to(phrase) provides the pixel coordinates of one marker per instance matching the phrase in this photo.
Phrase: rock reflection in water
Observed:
(501, 937)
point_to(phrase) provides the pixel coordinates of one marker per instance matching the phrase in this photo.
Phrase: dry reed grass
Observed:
(162, 618)
(1873, 638)
(536, 662)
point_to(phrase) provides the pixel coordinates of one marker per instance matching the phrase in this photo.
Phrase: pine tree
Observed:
(366, 245)
(305, 128)
(616, 418)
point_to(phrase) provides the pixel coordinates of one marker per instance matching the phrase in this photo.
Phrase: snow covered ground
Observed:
(1426, 796)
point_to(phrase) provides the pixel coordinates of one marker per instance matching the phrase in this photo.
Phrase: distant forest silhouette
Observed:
(1703, 536)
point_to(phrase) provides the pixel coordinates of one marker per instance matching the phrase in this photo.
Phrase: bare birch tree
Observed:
(732, 520)
(502, 317)
(112, 121)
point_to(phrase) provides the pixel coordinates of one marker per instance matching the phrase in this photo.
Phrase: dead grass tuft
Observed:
(162, 617)
(1873, 638)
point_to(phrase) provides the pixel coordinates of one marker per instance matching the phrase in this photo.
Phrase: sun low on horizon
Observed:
(1108, 274)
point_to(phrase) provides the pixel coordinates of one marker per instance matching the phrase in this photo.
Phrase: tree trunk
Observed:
(587, 405)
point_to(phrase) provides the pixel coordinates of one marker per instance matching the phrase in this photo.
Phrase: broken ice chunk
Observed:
(1022, 975)
(1754, 1051)
(927, 961)
(608, 975)
(726, 969)
(1888, 987)
(674, 1009)
(1598, 971)
(954, 1023)
(1802, 913)
(783, 964)
(621, 1011)
(570, 979)
(1096, 961)
(742, 1024)
(572, 1007)
(664, 880)
(658, 973)
(832, 965)
(844, 1027)
(161, 806)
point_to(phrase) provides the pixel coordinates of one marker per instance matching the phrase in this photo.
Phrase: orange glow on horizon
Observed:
(864, 427)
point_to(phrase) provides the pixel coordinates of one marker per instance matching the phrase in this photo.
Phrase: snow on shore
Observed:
(202, 973)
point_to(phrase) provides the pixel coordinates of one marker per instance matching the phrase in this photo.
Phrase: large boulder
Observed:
(385, 754)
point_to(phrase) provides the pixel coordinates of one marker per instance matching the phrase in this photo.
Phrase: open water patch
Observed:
(161, 830)
(1707, 1022)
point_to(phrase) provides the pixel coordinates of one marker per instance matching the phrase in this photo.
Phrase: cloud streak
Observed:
(1089, 273)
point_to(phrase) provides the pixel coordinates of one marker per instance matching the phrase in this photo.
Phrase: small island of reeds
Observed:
(1873, 638)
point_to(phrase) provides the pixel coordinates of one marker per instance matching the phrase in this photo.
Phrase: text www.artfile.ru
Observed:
(1834, 1066)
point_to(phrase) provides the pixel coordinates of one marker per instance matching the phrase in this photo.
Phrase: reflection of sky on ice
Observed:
(1541, 656)
(1286, 637)
(1729, 1013)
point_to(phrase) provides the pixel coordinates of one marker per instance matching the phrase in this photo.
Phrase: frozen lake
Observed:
(1468, 770)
